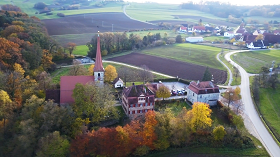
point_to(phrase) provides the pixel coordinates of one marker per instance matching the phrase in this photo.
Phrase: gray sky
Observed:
(238, 2)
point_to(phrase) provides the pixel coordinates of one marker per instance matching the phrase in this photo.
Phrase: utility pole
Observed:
(102, 23)
(112, 27)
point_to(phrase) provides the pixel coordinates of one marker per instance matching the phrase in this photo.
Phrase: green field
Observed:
(27, 7)
(191, 53)
(81, 50)
(270, 107)
(253, 61)
(155, 11)
(213, 38)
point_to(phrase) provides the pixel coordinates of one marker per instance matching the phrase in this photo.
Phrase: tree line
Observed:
(118, 42)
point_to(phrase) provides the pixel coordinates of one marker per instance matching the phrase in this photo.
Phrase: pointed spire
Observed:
(98, 67)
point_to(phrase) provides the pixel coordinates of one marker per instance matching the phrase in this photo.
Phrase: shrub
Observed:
(104, 52)
(141, 151)
(40, 5)
(60, 14)
(44, 11)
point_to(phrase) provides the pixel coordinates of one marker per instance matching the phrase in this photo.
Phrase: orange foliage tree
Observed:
(149, 135)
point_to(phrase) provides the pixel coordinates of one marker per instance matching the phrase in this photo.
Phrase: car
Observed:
(173, 92)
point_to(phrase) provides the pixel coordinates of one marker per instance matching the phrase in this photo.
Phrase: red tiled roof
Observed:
(199, 27)
(67, 85)
(183, 28)
(98, 67)
(205, 87)
(241, 30)
(272, 38)
(137, 90)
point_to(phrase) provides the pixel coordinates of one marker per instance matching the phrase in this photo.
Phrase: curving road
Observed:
(230, 73)
(265, 137)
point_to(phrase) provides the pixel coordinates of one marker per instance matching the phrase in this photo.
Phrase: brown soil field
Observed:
(171, 67)
(204, 20)
(91, 23)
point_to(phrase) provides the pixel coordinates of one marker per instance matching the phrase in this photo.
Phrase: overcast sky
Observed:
(238, 2)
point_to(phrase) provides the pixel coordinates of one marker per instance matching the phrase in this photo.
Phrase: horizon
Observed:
(237, 2)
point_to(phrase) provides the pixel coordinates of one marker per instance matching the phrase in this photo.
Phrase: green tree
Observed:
(237, 121)
(219, 132)
(53, 145)
(179, 39)
(207, 75)
(94, 102)
(163, 92)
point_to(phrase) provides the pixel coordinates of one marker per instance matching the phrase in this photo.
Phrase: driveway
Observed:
(249, 109)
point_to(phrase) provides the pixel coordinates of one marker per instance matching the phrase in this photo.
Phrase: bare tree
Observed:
(44, 80)
(145, 74)
(126, 74)
(77, 69)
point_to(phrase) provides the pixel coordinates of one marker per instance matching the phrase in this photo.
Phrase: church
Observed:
(67, 83)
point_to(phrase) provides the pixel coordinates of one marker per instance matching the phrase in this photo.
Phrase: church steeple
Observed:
(98, 67)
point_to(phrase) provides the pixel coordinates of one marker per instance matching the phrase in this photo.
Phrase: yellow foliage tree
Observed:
(163, 92)
(259, 37)
(110, 73)
(17, 68)
(232, 40)
(219, 132)
(90, 69)
(6, 107)
(200, 116)
(237, 91)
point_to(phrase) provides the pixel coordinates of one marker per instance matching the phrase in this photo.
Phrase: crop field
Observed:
(172, 14)
(191, 53)
(91, 23)
(174, 68)
(252, 61)
(81, 50)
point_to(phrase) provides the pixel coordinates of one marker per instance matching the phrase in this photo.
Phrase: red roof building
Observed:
(199, 29)
(68, 83)
(183, 29)
(205, 92)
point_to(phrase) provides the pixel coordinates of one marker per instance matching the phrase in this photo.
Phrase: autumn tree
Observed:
(32, 53)
(110, 73)
(96, 103)
(163, 92)
(232, 95)
(77, 69)
(71, 47)
(90, 70)
(6, 107)
(44, 80)
(200, 116)
(149, 135)
(259, 37)
(47, 62)
(219, 133)
(207, 75)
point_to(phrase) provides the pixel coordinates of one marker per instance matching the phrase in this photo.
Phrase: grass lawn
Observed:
(170, 33)
(81, 50)
(270, 107)
(64, 71)
(213, 38)
(235, 81)
(155, 11)
(253, 61)
(191, 53)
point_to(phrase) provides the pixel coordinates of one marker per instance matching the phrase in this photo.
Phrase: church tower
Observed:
(98, 67)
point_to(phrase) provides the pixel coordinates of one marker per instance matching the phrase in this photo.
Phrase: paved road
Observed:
(230, 73)
(265, 137)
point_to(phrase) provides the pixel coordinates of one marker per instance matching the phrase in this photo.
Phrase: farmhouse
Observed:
(205, 92)
(183, 29)
(67, 83)
(198, 29)
(260, 44)
(229, 34)
(137, 100)
(194, 39)
(118, 82)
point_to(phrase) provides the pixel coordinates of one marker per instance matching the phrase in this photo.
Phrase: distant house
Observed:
(209, 29)
(137, 100)
(272, 39)
(259, 44)
(256, 32)
(229, 34)
(183, 29)
(118, 82)
(194, 39)
(199, 29)
(205, 92)
(276, 32)
(240, 31)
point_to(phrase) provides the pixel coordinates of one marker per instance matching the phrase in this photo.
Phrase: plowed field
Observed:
(171, 67)
(91, 23)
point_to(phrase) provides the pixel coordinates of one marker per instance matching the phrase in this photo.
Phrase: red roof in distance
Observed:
(98, 67)
(199, 27)
(183, 28)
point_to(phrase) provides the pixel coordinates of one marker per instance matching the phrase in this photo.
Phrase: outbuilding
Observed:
(194, 39)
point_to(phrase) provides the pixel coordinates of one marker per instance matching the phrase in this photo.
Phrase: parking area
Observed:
(176, 87)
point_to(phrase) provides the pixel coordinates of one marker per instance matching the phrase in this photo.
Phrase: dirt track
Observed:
(171, 67)
(91, 23)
